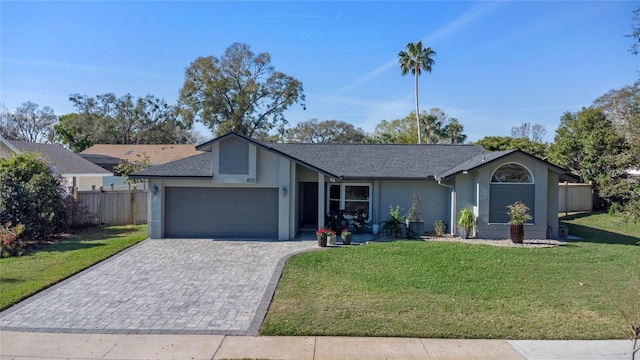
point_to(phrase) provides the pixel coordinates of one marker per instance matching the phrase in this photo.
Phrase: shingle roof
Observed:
(193, 166)
(474, 162)
(481, 160)
(158, 154)
(348, 161)
(381, 161)
(63, 160)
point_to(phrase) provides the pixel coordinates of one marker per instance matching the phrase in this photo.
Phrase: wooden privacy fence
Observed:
(575, 197)
(116, 207)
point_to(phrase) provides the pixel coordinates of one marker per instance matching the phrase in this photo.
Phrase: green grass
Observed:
(455, 290)
(21, 277)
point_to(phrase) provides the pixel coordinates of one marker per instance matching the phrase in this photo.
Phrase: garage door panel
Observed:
(219, 212)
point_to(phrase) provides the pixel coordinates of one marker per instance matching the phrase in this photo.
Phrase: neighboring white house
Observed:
(239, 187)
(69, 165)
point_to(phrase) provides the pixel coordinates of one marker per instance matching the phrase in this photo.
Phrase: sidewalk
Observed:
(25, 345)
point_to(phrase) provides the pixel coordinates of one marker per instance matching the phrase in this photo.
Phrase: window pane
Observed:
(356, 192)
(358, 206)
(334, 192)
(334, 206)
(511, 173)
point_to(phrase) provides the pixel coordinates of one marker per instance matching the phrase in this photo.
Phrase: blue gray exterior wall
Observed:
(473, 190)
(270, 169)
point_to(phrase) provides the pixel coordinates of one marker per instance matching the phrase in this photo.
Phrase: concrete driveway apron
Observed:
(167, 286)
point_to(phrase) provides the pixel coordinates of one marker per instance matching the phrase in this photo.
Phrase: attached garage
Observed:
(205, 212)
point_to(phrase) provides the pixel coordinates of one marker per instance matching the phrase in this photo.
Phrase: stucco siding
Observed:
(540, 172)
(272, 171)
(435, 199)
(86, 182)
(234, 156)
(553, 203)
(304, 174)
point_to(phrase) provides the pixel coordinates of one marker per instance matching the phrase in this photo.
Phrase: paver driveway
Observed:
(181, 286)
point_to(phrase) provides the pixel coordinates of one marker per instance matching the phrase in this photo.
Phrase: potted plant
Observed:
(346, 236)
(439, 226)
(331, 237)
(393, 225)
(519, 214)
(321, 235)
(466, 221)
(375, 226)
(414, 216)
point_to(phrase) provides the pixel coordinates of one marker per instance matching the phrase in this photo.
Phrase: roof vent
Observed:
(482, 158)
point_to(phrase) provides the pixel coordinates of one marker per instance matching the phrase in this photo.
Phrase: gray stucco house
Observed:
(239, 187)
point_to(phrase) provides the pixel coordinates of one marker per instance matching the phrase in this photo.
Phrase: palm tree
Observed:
(415, 59)
(453, 131)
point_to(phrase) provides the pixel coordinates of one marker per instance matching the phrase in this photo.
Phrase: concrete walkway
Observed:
(24, 345)
(167, 286)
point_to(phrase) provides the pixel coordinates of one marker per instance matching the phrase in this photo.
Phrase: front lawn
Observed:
(456, 290)
(24, 276)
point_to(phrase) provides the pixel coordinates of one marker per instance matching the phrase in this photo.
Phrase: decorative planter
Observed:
(375, 228)
(346, 239)
(463, 232)
(331, 239)
(322, 240)
(517, 233)
(416, 228)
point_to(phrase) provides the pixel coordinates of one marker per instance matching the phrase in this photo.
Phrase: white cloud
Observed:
(462, 21)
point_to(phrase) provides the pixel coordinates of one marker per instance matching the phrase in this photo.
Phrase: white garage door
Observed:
(221, 212)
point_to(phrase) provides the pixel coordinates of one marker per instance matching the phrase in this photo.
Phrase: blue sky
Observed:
(498, 64)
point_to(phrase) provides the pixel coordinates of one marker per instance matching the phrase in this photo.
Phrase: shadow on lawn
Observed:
(594, 235)
(80, 240)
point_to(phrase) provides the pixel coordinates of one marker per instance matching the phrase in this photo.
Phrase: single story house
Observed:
(241, 188)
(108, 156)
(73, 169)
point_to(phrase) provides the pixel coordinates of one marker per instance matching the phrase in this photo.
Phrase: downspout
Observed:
(453, 205)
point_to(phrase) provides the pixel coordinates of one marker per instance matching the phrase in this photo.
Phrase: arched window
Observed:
(512, 173)
(510, 182)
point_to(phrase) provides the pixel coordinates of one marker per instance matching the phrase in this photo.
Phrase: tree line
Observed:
(241, 91)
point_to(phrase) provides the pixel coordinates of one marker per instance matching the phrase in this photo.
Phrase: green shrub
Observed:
(78, 214)
(31, 194)
(10, 243)
(439, 227)
(631, 211)
(614, 208)
(393, 225)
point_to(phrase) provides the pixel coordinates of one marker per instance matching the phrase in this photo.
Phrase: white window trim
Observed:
(342, 195)
(533, 180)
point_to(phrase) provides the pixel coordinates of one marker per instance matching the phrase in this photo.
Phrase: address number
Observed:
(251, 180)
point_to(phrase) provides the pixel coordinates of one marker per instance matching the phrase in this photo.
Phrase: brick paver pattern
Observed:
(161, 286)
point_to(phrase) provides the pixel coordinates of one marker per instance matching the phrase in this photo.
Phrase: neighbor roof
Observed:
(158, 154)
(64, 161)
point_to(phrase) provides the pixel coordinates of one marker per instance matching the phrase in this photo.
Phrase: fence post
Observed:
(566, 198)
(134, 204)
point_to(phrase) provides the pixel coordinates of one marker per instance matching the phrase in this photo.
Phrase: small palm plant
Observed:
(519, 214)
(466, 222)
(393, 225)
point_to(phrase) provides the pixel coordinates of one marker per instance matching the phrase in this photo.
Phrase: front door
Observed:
(309, 203)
